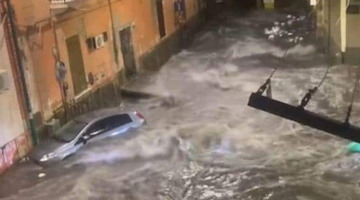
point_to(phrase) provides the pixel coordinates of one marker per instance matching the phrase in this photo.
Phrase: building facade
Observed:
(95, 41)
(74, 56)
(338, 28)
(15, 139)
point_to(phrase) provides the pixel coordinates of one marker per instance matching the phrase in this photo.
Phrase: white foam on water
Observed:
(144, 146)
(264, 156)
(251, 46)
(218, 125)
(301, 50)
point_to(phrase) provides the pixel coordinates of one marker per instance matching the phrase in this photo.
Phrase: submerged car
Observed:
(87, 128)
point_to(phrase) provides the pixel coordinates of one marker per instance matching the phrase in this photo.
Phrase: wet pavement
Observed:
(203, 142)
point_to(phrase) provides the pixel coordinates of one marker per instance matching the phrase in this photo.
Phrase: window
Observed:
(180, 12)
(94, 130)
(107, 124)
(69, 131)
(161, 19)
(118, 120)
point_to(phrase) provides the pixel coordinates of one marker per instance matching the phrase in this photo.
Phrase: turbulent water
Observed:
(203, 142)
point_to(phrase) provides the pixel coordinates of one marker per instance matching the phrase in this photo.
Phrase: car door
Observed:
(93, 132)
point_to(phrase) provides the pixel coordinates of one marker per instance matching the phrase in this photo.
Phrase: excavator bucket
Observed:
(302, 116)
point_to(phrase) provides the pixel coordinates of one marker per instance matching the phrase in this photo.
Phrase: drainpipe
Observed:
(26, 96)
(56, 55)
(329, 29)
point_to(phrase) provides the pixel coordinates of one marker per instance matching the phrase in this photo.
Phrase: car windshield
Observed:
(69, 132)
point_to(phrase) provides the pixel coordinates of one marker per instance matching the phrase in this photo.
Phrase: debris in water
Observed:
(41, 175)
(169, 101)
(267, 31)
(24, 159)
(302, 17)
(354, 147)
(268, 196)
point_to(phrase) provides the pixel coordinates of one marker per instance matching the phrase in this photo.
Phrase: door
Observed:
(76, 64)
(127, 50)
(160, 17)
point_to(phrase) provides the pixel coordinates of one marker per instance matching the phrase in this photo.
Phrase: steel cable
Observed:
(356, 86)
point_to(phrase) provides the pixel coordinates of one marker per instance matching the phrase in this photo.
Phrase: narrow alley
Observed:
(202, 141)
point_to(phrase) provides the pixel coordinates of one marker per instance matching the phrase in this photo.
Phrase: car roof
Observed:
(99, 114)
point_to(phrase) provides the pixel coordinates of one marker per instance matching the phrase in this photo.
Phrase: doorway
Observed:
(246, 4)
(127, 50)
(160, 17)
(76, 64)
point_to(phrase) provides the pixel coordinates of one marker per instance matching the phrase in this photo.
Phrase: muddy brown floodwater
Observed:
(202, 141)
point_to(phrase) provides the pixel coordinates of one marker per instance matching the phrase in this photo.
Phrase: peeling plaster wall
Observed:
(11, 122)
(40, 46)
(100, 62)
(87, 19)
(141, 14)
(30, 79)
(169, 15)
(30, 12)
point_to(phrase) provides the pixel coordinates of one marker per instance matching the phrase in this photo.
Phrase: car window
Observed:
(124, 119)
(107, 124)
(69, 132)
(117, 120)
(96, 129)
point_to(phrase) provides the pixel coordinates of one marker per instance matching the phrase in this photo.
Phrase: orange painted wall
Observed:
(169, 15)
(99, 61)
(11, 118)
(190, 8)
(142, 14)
(28, 12)
(40, 46)
(91, 19)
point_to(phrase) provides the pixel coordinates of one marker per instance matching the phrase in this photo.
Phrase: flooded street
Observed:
(203, 142)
